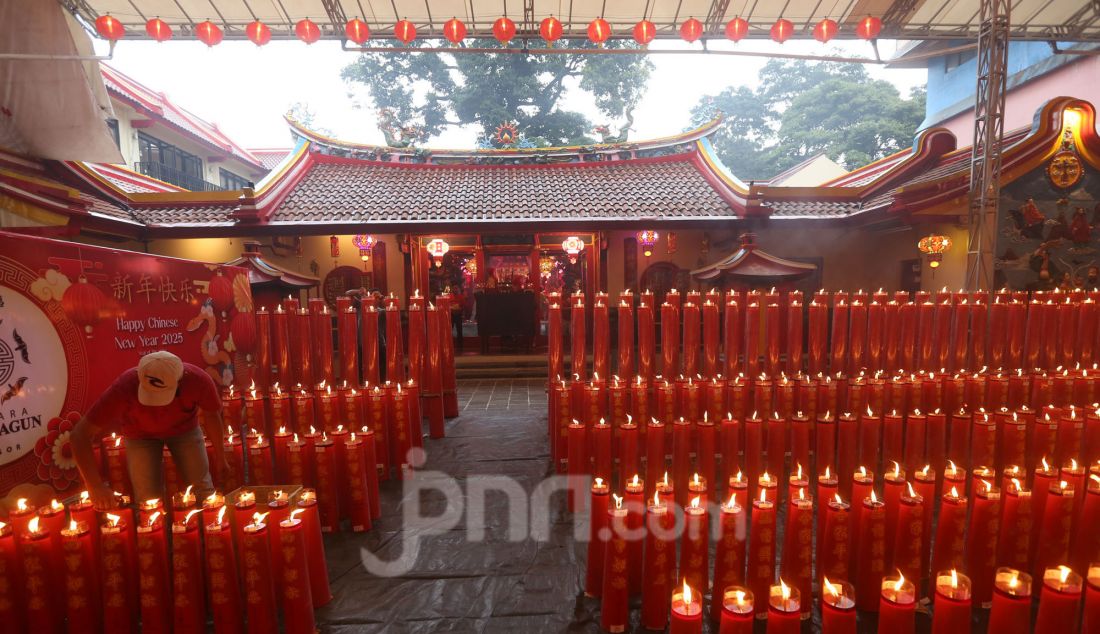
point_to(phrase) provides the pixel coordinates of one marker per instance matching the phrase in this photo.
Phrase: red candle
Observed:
(869, 551)
(614, 606)
(908, 539)
(839, 340)
(784, 609)
(847, 449)
(1085, 549)
(983, 440)
(189, 590)
(1071, 429)
(655, 455)
(625, 366)
(1059, 601)
(834, 540)
(439, 328)
(777, 446)
(555, 339)
(221, 575)
(798, 546)
(670, 340)
(753, 451)
(761, 564)
(303, 411)
(293, 586)
(657, 565)
(597, 538)
(355, 475)
(735, 608)
(729, 562)
(691, 330)
(1017, 517)
(897, 607)
(752, 338)
(949, 542)
(1091, 621)
(694, 544)
(328, 483)
(687, 611)
(1054, 527)
(951, 612)
(153, 569)
(315, 551)
(1011, 612)
(280, 345)
(818, 324)
(981, 548)
(647, 347)
(81, 583)
(714, 399)
(838, 607)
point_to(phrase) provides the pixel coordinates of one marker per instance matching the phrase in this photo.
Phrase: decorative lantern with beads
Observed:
(438, 248)
(647, 238)
(572, 247)
(934, 246)
(365, 243)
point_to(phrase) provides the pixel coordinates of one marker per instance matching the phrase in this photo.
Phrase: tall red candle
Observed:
(951, 612)
(259, 591)
(320, 591)
(798, 546)
(1091, 619)
(1054, 527)
(897, 607)
(647, 347)
(614, 604)
(280, 346)
(189, 587)
(657, 565)
(949, 543)
(601, 337)
(838, 607)
(625, 366)
(118, 609)
(368, 343)
(1059, 601)
(981, 547)
(221, 575)
(597, 537)
(784, 609)
(328, 484)
(670, 340)
(1011, 612)
(40, 576)
(761, 558)
(734, 605)
(153, 571)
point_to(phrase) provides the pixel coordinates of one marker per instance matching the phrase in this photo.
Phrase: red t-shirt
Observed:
(118, 409)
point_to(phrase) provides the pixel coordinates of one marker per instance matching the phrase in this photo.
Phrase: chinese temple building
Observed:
(467, 218)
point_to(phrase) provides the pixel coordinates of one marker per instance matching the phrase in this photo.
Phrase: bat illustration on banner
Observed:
(21, 346)
(13, 390)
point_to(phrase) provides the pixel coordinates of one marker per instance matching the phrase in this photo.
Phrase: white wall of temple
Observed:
(852, 258)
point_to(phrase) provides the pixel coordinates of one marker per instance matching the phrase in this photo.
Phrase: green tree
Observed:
(804, 108)
(436, 91)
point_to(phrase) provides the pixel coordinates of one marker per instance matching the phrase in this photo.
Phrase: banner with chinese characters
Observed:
(73, 317)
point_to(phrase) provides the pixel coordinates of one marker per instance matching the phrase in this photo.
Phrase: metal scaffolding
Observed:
(985, 159)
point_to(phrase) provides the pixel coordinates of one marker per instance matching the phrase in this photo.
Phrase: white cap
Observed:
(159, 375)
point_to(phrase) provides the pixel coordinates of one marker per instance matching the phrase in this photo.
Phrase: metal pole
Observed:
(985, 159)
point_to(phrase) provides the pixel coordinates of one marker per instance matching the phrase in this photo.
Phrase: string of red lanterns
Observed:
(504, 30)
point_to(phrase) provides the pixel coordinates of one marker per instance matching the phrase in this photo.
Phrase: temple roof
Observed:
(261, 271)
(750, 264)
(677, 181)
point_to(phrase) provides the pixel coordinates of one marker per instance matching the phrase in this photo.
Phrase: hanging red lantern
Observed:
(934, 246)
(221, 292)
(782, 30)
(357, 31)
(737, 29)
(504, 29)
(550, 30)
(365, 244)
(454, 30)
(691, 30)
(307, 31)
(208, 33)
(243, 330)
(599, 30)
(825, 30)
(85, 304)
(158, 30)
(644, 32)
(109, 28)
(258, 33)
(404, 31)
(869, 27)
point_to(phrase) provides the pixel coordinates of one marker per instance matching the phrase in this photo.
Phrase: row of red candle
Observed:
(691, 397)
(953, 331)
(841, 443)
(615, 570)
(301, 346)
(107, 558)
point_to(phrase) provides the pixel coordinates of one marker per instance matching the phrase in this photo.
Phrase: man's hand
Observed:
(103, 498)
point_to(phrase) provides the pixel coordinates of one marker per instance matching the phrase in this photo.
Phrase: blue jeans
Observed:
(145, 460)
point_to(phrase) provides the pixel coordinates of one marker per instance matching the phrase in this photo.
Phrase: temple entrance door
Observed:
(662, 277)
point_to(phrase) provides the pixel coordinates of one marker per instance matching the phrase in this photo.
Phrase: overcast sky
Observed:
(245, 90)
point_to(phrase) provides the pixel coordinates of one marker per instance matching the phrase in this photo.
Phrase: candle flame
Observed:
(1073, 464)
(666, 478)
(763, 495)
(112, 520)
(73, 526)
(784, 589)
(1063, 573)
(836, 496)
(1014, 580)
(84, 495)
(1046, 465)
(599, 482)
(153, 518)
(32, 526)
(826, 472)
(695, 479)
(900, 582)
(618, 501)
(695, 502)
(798, 474)
(1063, 485)
(862, 471)
(924, 471)
(912, 493)
(152, 503)
(801, 493)
(635, 481)
(56, 506)
(687, 592)
(897, 469)
(954, 492)
(258, 518)
(190, 514)
(295, 512)
(954, 579)
(830, 587)
(221, 515)
(732, 504)
(951, 468)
